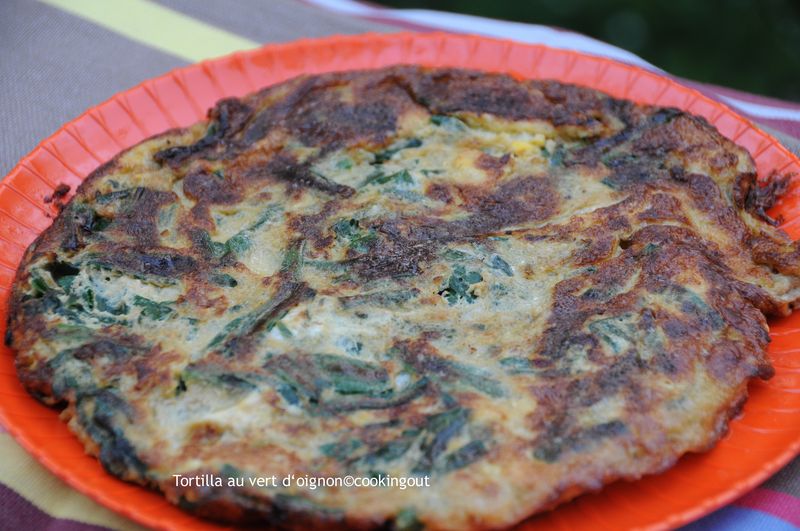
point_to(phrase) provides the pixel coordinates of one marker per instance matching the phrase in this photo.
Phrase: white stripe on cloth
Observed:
(758, 110)
(528, 33)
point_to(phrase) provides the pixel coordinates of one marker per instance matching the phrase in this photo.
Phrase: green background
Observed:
(744, 44)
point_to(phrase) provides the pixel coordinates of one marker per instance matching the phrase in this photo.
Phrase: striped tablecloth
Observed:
(58, 57)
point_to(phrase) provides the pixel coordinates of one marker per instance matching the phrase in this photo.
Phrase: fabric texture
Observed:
(55, 64)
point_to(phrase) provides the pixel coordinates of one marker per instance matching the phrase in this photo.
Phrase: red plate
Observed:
(763, 439)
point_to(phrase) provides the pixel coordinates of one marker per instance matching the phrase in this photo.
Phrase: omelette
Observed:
(475, 296)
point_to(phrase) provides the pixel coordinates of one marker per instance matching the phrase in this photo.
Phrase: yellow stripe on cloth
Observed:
(158, 27)
(22, 473)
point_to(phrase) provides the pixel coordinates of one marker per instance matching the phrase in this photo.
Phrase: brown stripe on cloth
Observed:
(272, 21)
(54, 66)
(17, 513)
(21, 473)
(787, 480)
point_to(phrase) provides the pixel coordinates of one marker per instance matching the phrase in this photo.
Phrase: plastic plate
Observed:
(764, 438)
